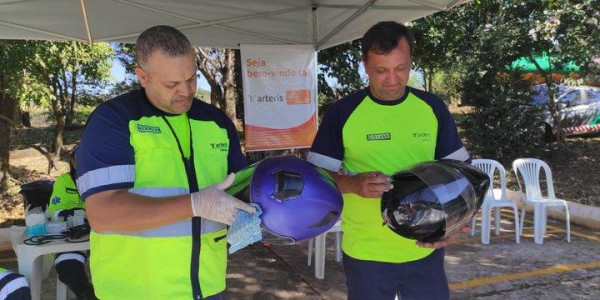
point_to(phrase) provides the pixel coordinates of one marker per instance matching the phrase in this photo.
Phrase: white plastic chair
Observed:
(530, 169)
(494, 199)
(319, 246)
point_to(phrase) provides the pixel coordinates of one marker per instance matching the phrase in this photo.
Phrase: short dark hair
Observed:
(166, 39)
(384, 36)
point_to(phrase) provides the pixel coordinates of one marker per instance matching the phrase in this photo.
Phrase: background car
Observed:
(578, 107)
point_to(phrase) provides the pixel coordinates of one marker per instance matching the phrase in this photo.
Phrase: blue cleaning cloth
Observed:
(244, 230)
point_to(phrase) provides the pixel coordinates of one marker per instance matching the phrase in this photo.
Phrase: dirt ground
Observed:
(502, 270)
(573, 166)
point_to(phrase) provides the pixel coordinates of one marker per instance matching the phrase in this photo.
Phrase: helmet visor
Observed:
(428, 202)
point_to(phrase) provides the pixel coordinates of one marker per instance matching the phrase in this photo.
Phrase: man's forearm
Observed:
(120, 210)
(345, 183)
(367, 184)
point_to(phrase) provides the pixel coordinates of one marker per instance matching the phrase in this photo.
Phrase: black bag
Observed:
(37, 194)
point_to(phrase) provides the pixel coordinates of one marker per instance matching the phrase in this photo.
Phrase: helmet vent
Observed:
(288, 185)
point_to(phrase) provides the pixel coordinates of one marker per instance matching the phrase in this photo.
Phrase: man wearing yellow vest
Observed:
(152, 166)
(369, 135)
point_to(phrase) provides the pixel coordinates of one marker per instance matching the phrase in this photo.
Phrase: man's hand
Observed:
(371, 184)
(214, 204)
(447, 241)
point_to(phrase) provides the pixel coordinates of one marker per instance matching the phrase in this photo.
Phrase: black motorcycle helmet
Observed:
(433, 199)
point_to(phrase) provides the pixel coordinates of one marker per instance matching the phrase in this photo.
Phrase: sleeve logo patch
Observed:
(148, 128)
(379, 136)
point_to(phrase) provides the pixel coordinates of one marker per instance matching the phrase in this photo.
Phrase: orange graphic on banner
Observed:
(297, 97)
(265, 138)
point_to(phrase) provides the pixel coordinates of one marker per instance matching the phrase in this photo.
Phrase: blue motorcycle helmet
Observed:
(433, 199)
(298, 199)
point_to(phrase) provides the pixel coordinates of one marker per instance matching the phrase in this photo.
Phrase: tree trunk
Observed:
(239, 107)
(207, 67)
(229, 85)
(215, 92)
(75, 73)
(57, 109)
(7, 111)
(71, 108)
(560, 137)
(430, 81)
(58, 141)
(25, 119)
(425, 81)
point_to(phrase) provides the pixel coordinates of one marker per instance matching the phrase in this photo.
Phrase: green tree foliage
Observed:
(435, 40)
(222, 70)
(125, 54)
(444, 84)
(339, 66)
(12, 66)
(59, 73)
(475, 44)
(566, 31)
(505, 127)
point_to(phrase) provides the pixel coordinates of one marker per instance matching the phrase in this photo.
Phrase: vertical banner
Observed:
(280, 93)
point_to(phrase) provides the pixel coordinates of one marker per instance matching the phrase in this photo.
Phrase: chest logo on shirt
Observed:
(219, 146)
(379, 136)
(148, 128)
(424, 136)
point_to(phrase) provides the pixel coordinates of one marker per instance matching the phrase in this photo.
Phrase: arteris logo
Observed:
(220, 146)
(148, 128)
(421, 135)
(379, 136)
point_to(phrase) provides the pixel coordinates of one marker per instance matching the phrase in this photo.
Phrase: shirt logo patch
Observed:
(219, 146)
(56, 200)
(148, 128)
(421, 135)
(424, 136)
(379, 136)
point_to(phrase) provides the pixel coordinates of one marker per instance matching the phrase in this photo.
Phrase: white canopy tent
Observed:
(215, 23)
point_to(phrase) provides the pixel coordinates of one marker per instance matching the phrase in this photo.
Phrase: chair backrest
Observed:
(489, 166)
(530, 169)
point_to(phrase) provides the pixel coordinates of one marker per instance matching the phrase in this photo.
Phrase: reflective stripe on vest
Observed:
(13, 285)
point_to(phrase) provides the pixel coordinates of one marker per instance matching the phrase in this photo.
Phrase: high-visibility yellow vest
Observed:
(179, 260)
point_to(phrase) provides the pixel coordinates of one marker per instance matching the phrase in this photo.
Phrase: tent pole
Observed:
(85, 20)
(315, 6)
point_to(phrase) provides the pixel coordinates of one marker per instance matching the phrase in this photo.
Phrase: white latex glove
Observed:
(214, 204)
